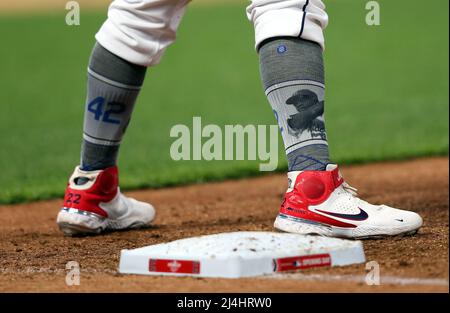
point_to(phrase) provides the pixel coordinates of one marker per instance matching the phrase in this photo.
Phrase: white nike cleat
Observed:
(93, 203)
(320, 202)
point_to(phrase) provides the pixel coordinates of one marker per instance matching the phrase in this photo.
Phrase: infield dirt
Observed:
(33, 253)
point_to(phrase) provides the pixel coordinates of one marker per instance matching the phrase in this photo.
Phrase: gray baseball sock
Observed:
(293, 77)
(113, 86)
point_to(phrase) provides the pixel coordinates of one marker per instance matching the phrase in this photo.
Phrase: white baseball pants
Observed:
(139, 31)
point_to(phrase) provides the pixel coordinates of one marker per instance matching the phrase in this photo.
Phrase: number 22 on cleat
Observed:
(73, 198)
(97, 105)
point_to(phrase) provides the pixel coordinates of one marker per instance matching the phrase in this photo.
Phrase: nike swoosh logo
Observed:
(361, 216)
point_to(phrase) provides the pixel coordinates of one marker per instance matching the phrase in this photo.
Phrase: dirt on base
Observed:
(33, 253)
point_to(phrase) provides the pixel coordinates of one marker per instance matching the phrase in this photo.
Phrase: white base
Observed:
(240, 254)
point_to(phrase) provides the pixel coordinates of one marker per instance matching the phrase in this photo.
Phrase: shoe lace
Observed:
(353, 193)
(352, 190)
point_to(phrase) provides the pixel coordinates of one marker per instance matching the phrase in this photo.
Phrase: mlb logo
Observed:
(174, 266)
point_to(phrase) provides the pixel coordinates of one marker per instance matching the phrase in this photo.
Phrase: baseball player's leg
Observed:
(290, 41)
(134, 37)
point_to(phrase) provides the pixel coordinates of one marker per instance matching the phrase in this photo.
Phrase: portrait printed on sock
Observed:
(309, 116)
(300, 113)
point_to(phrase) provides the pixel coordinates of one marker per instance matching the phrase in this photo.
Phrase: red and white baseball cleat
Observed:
(321, 202)
(93, 203)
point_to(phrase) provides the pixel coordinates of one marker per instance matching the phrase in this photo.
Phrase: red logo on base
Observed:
(301, 262)
(174, 266)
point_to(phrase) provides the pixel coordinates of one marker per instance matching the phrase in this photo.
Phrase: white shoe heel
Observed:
(74, 222)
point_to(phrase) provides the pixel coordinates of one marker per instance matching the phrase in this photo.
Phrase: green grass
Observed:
(387, 93)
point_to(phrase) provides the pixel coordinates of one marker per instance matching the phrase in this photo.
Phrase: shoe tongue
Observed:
(330, 167)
